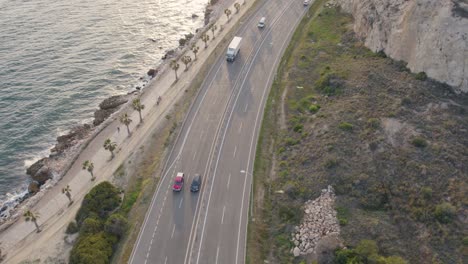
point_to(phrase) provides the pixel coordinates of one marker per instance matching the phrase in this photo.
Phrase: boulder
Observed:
(113, 102)
(194, 16)
(34, 168)
(34, 187)
(42, 175)
(101, 115)
(152, 72)
(296, 252)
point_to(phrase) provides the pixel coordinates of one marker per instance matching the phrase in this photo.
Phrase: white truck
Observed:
(233, 49)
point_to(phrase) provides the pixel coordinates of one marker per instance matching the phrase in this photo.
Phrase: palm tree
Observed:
(228, 12)
(175, 66)
(89, 166)
(138, 107)
(195, 49)
(186, 60)
(237, 6)
(67, 192)
(213, 29)
(30, 216)
(125, 119)
(205, 39)
(110, 146)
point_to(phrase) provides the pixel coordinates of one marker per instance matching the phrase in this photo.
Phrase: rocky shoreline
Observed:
(45, 172)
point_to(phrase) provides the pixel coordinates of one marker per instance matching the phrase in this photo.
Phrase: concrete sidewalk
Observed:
(20, 241)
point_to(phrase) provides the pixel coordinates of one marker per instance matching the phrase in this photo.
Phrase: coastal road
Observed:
(218, 140)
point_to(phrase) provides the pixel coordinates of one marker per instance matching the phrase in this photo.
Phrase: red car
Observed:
(178, 182)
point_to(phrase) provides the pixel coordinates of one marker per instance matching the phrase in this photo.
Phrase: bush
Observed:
(313, 108)
(444, 212)
(116, 225)
(346, 126)
(100, 201)
(419, 142)
(373, 123)
(90, 226)
(72, 228)
(298, 128)
(421, 76)
(328, 84)
(96, 249)
(426, 192)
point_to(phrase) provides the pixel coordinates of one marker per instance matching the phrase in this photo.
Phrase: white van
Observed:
(261, 23)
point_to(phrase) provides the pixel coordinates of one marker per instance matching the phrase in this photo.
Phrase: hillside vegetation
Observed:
(393, 144)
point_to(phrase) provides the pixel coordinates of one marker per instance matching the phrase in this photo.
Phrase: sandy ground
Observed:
(21, 243)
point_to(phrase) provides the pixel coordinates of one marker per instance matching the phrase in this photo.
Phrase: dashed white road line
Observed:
(173, 229)
(240, 128)
(201, 134)
(245, 109)
(194, 155)
(165, 261)
(217, 255)
(235, 150)
(222, 218)
(181, 200)
(229, 180)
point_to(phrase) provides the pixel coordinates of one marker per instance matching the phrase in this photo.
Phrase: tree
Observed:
(444, 212)
(116, 224)
(89, 166)
(175, 66)
(125, 119)
(30, 216)
(205, 39)
(67, 191)
(186, 60)
(237, 6)
(228, 12)
(110, 146)
(213, 29)
(195, 49)
(138, 107)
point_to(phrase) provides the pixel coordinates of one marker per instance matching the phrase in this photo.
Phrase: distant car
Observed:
(196, 183)
(306, 2)
(261, 23)
(178, 182)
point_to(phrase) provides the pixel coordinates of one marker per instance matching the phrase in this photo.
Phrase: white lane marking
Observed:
(194, 155)
(201, 134)
(222, 218)
(217, 255)
(173, 229)
(151, 243)
(165, 261)
(235, 150)
(181, 200)
(229, 180)
(240, 128)
(245, 109)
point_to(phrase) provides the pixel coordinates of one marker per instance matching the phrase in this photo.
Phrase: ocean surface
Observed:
(60, 59)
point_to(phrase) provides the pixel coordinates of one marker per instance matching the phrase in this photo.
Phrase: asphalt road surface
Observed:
(218, 140)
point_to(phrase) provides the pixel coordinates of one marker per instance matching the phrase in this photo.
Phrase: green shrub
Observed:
(367, 248)
(381, 54)
(96, 249)
(313, 108)
(298, 128)
(465, 241)
(421, 76)
(72, 228)
(426, 192)
(331, 163)
(116, 225)
(419, 142)
(373, 123)
(100, 201)
(444, 212)
(291, 141)
(342, 215)
(90, 226)
(346, 126)
(328, 84)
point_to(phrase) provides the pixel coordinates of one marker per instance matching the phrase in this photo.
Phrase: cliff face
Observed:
(431, 35)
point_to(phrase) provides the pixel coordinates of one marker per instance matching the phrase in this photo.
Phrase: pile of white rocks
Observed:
(319, 222)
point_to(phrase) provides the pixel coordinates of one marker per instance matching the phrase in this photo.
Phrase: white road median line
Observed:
(235, 150)
(229, 180)
(217, 255)
(222, 218)
(173, 229)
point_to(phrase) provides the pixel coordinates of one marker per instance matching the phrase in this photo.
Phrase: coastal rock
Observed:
(33, 187)
(34, 168)
(66, 141)
(169, 54)
(296, 252)
(113, 102)
(101, 115)
(42, 175)
(431, 35)
(194, 16)
(152, 72)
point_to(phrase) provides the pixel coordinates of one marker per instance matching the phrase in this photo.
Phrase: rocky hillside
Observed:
(430, 35)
